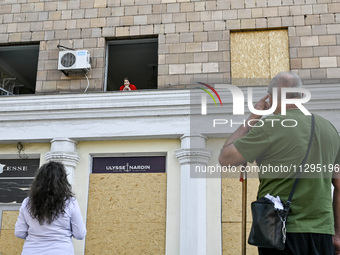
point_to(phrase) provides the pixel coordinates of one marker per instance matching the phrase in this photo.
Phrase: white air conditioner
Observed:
(74, 61)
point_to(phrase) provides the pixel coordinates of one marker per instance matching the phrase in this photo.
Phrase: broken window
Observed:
(136, 59)
(18, 69)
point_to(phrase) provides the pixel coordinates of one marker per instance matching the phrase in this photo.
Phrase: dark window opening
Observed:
(136, 59)
(18, 69)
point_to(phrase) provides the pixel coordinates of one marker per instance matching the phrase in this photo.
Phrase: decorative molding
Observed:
(193, 156)
(95, 105)
(133, 115)
(68, 158)
(64, 150)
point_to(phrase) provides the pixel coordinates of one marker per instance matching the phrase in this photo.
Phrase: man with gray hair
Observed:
(288, 80)
(313, 217)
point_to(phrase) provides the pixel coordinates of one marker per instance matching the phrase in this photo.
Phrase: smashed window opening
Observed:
(136, 59)
(18, 69)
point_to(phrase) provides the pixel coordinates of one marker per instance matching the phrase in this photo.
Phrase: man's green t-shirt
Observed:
(278, 144)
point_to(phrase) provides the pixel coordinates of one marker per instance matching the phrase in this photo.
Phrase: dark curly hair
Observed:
(49, 192)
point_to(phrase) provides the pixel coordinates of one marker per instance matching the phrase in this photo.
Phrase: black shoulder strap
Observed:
(301, 167)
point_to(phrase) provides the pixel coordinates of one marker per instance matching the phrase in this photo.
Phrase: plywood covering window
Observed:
(257, 56)
(126, 214)
(9, 244)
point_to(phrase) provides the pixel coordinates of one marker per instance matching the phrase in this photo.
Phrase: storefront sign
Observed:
(16, 178)
(147, 164)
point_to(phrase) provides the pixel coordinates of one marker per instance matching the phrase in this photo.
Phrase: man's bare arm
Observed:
(229, 155)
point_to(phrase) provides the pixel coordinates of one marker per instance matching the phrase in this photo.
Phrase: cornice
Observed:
(131, 115)
(95, 105)
(135, 104)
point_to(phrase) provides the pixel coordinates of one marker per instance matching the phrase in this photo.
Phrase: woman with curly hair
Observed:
(50, 216)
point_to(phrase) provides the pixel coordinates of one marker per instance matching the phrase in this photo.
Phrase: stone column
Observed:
(193, 214)
(64, 150)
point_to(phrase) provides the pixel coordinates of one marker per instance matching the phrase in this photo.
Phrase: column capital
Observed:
(64, 150)
(193, 156)
(193, 150)
(68, 158)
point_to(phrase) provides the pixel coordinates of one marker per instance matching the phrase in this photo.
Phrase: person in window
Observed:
(50, 216)
(127, 85)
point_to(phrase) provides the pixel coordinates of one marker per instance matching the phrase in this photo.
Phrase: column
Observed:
(64, 150)
(193, 214)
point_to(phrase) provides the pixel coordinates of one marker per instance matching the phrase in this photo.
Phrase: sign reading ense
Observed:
(16, 178)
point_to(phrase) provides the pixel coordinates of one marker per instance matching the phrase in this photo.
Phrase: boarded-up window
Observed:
(9, 244)
(257, 56)
(127, 206)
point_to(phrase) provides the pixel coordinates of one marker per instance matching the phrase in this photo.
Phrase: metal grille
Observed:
(68, 60)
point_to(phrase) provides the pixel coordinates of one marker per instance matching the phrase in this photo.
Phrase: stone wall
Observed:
(193, 36)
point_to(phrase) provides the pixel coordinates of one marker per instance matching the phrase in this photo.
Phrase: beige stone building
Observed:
(194, 40)
(62, 64)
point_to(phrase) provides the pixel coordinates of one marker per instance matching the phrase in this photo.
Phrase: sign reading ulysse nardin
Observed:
(136, 164)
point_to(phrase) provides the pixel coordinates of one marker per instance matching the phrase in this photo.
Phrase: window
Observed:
(18, 69)
(136, 59)
(257, 56)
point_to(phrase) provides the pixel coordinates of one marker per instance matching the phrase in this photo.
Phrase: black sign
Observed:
(147, 164)
(19, 167)
(16, 178)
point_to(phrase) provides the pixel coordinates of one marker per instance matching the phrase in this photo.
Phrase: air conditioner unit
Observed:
(74, 61)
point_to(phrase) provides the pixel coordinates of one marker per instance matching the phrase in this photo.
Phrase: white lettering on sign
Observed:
(128, 167)
(15, 168)
(111, 168)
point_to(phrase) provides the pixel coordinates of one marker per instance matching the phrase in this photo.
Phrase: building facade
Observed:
(52, 111)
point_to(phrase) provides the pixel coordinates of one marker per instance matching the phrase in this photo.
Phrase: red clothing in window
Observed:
(132, 87)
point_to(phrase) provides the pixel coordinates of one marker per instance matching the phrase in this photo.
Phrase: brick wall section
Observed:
(193, 35)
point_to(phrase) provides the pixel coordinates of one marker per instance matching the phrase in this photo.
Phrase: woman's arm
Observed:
(77, 223)
(21, 226)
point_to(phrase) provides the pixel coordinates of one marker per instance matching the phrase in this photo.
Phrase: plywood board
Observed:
(257, 56)
(232, 233)
(9, 244)
(232, 214)
(9, 218)
(279, 52)
(126, 214)
(232, 198)
(249, 57)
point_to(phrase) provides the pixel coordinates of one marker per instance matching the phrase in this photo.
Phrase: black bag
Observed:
(268, 229)
(269, 225)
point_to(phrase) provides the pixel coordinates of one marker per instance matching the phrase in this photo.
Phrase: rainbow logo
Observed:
(209, 93)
